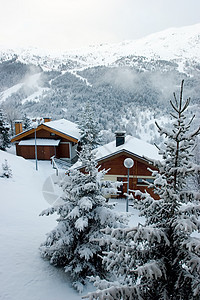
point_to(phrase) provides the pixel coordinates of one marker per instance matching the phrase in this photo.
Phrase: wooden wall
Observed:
(44, 152)
(63, 151)
(119, 172)
(44, 134)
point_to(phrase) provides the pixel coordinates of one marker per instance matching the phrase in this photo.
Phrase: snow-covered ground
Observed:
(24, 275)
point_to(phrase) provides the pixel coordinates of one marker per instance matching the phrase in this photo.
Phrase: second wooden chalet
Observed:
(57, 138)
(112, 155)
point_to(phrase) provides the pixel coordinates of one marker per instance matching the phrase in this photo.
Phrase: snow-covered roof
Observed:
(64, 126)
(39, 142)
(133, 145)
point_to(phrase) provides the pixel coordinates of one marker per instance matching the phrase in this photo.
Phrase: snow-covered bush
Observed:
(161, 259)
(82, 215)
(6, 170)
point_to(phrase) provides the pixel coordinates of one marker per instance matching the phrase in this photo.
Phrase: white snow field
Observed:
(24, 275)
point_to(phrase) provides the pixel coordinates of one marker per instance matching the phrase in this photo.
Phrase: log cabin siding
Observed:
(44, 134)
(63, 150)
(43, 152)
(63, 132)
(117, 171)
(116, 165)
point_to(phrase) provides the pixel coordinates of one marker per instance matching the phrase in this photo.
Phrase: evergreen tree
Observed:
(4, 132)
(6, 170)
(11, 116)
(161, 259)
(83, 213)
(196, 179)
(27, 123)
(89, 129)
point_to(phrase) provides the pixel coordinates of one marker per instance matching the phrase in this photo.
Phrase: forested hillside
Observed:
(127, 91)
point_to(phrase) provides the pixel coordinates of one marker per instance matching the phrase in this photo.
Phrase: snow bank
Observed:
(24, 275)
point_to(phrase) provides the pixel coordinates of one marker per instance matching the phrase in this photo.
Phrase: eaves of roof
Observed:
(42, 126)
(103, 158)
(127, 152)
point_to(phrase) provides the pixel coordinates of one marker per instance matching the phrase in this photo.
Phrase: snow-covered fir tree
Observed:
(89, 128)
(4, 131)
(6, 170)
(196, 179)
(11, 115)
(27, 123)
(160, 260)
(82, 215)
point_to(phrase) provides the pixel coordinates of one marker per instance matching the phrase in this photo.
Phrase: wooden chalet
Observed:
(57, 138)
(112, 155)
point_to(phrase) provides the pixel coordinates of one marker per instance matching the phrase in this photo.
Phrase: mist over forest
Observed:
(129, 93)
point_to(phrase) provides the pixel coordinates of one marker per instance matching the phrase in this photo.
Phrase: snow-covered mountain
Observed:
(177, 44)
(120, 80)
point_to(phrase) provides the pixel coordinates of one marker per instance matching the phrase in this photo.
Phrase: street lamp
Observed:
(128, 163)
(35, 125)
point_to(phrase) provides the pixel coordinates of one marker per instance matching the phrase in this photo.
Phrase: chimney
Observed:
(47, 120)
(18, 127)
(120, 137)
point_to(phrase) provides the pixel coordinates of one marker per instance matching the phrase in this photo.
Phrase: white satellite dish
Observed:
(51, 189)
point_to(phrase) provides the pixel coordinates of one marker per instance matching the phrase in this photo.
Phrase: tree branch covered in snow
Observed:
(160, 259)
(83, 213)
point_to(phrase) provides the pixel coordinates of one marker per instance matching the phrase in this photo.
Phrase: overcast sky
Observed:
(65, 24)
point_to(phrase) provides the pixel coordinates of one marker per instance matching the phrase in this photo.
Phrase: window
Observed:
(140, 181)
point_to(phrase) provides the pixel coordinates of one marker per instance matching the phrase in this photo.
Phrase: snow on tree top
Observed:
(64, 126)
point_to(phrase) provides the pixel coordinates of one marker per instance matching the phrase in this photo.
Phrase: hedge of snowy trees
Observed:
(160, 259)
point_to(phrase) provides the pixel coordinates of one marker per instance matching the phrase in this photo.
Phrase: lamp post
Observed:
(128, 163)
(35, 125)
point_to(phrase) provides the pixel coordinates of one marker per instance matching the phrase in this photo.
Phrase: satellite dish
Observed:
(51, 189)
(128, 162)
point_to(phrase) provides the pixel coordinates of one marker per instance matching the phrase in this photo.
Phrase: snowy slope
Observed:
(10, 91)
(169, 44)
(24, 275)
(178, 44)
(30, 85)
(172, 44)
